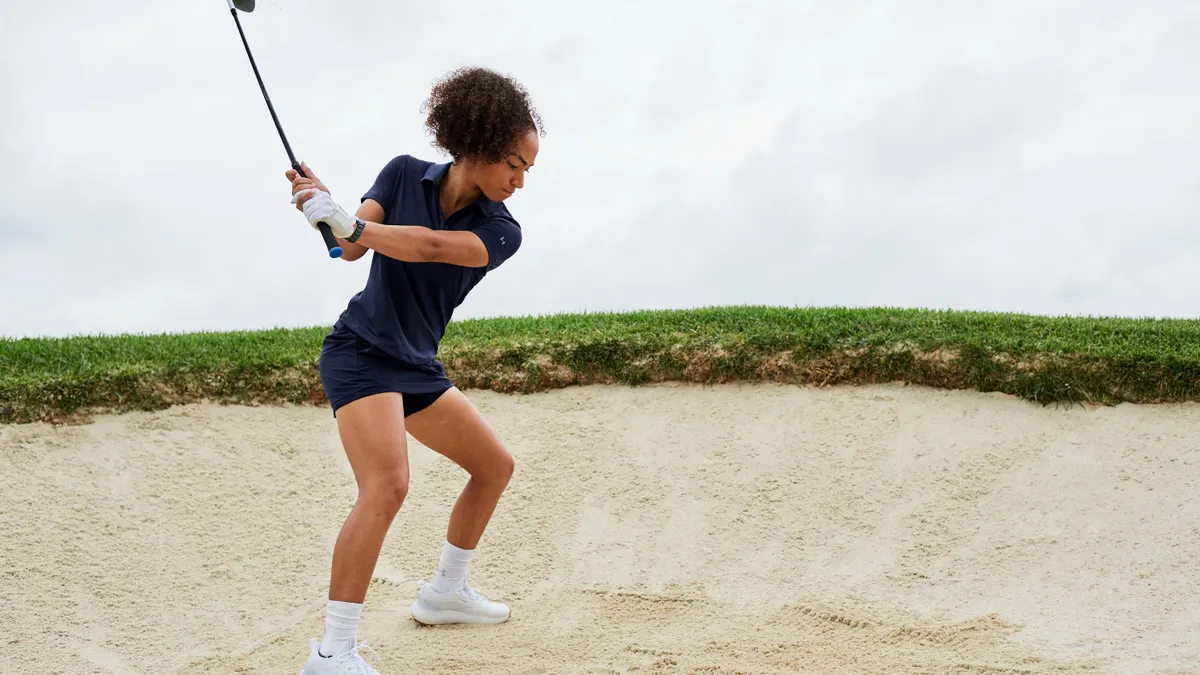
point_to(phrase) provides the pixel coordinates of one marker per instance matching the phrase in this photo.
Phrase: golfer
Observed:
(436, 230)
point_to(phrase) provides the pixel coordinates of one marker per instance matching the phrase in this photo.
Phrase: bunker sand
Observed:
(662, 529)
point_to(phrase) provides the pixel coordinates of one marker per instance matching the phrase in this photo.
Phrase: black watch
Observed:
(359, 226)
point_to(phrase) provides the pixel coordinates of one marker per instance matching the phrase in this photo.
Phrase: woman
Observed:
(436, 230)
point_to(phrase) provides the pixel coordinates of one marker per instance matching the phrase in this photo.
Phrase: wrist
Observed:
(359, 226)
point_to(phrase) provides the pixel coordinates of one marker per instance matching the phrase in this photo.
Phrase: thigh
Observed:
(453, 427)
(372, 432)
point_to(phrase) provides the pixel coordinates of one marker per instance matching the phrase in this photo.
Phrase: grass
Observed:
(1044, 359)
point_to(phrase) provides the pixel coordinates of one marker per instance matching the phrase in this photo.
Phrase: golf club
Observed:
(247, 6)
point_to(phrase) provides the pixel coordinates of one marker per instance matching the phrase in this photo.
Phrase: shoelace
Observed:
(470, 593)
(353, 657)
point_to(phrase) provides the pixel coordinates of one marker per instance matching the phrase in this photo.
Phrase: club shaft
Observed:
(335, 251)
(266, 97)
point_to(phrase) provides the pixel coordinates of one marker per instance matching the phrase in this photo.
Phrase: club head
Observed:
(242, 5)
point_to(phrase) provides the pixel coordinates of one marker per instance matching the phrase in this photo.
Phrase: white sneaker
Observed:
(346, 663)
(464, 605)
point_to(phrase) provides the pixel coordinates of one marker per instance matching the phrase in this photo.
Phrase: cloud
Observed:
(1029, 156)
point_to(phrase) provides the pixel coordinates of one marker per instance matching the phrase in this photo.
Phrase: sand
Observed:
(663, 529)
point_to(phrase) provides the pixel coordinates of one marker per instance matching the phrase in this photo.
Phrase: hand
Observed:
(319, 207)
(300, 183)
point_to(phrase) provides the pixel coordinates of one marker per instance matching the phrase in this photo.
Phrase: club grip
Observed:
(335, 251)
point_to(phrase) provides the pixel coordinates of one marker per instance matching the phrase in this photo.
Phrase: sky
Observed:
(1033, 156)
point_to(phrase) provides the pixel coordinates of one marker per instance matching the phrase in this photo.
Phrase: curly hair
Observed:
(477, 113)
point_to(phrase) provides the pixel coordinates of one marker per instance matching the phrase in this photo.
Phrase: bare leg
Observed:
(453, 428)
(372, 432)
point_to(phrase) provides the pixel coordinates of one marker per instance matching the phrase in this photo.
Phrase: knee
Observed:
(509, 465)
(505, 465)
(496, 471)
(387, 492)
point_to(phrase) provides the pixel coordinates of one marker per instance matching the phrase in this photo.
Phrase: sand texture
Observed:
(663, 529)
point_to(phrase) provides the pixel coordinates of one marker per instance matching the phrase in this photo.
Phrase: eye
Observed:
(512, 166)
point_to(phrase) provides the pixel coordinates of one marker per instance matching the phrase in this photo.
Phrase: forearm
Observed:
(407, 243)
(414, 243)
(352, 251)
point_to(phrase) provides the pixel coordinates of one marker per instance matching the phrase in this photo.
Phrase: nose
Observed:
(520, 181)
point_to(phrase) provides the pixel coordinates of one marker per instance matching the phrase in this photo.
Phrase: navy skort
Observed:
(352, 368)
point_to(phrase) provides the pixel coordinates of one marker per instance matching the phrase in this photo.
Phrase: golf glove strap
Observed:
(321, 207)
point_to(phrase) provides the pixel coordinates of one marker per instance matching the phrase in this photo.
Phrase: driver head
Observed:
(242, 5)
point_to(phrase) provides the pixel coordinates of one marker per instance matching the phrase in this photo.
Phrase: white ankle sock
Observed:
(452, 568)
(341, 627)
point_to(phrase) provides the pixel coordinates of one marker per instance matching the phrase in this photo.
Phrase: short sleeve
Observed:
(502, 237)
(384, 189)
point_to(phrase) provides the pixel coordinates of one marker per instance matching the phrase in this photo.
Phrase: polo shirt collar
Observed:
(434, 174)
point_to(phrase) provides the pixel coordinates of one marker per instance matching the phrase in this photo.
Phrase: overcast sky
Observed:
(1030, 156)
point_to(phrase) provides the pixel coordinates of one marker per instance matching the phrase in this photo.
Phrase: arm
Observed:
(488, 246)
(414, 243)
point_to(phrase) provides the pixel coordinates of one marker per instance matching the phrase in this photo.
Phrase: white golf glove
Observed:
(321, 207)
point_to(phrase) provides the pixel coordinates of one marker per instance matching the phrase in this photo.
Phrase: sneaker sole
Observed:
(434, 617)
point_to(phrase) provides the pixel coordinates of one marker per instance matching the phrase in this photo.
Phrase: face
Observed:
(501, 180)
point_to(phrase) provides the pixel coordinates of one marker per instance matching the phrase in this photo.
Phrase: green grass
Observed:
(1045, 359)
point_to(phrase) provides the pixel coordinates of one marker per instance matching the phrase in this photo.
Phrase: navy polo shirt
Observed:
(405, 306)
